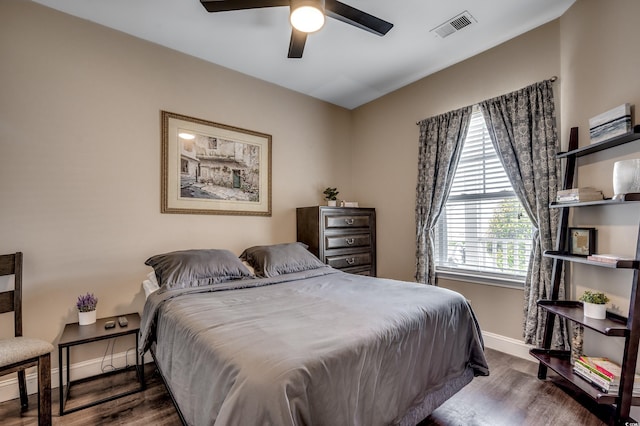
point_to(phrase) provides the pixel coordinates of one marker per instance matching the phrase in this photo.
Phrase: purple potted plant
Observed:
(86, 305)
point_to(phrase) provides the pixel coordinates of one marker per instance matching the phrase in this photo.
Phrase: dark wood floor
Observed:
(511, 395)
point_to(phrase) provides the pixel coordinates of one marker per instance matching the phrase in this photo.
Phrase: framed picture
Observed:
(582, 241)
(212, 168)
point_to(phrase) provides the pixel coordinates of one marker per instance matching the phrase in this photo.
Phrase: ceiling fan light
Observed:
(307, 15)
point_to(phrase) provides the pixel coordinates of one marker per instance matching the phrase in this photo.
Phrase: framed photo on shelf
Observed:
(213, 168)
(582, 241)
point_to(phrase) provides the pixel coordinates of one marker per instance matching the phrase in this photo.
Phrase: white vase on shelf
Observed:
(86, 318)
(626, 177)
(594, 310)
(331, 203)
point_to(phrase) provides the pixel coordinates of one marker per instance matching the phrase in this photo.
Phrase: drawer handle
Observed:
(349, 221)
(351, 260)
(350, 241)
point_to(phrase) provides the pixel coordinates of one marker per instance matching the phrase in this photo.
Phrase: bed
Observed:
(291, 341)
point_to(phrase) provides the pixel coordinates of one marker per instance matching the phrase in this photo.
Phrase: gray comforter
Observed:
(319, 347)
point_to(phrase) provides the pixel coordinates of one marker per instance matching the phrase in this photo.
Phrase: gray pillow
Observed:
(277, 259)
(192, 268)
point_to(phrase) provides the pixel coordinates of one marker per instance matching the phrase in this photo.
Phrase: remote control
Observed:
(123, 321)
(109, 324)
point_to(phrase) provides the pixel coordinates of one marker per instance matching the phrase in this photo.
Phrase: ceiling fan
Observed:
(307, 16)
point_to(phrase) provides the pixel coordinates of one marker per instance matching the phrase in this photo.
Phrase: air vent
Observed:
(454, 24)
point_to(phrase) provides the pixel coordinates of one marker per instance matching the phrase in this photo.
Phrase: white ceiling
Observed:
(342, 64)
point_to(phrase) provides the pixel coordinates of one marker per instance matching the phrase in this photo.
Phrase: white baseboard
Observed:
(80, 370)
(9, 388)
(507, 345)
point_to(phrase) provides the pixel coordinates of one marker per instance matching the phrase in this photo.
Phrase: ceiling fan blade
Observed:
(357, 18)
(296, 45)
(227, 5)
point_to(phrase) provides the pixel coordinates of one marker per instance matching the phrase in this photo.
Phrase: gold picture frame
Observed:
(213, 168)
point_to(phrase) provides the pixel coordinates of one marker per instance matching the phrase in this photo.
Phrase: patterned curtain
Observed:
(522, 126)
(440, 145)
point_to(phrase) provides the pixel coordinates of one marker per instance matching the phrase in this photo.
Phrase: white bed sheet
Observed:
(150, 284)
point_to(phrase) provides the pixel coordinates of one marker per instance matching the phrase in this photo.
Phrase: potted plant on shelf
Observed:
(330, 195)
(86, 305)
(594, 303)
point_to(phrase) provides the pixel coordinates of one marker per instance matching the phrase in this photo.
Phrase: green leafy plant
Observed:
(330, 193)
(509, 223)
(594, 297)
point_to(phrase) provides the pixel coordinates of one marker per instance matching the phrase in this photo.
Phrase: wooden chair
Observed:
(19, 353)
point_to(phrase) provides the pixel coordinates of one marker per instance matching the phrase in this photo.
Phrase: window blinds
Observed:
(483, 228)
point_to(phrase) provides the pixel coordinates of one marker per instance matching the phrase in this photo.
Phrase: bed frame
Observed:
(152, 351)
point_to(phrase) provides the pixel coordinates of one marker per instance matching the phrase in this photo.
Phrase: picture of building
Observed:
(216, 168)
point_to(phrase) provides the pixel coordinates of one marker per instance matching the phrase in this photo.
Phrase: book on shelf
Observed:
(611, 389)
(575, 195)
(582, 372)
(600, 368)
(603, 373)
(608, 258)
(576, 191)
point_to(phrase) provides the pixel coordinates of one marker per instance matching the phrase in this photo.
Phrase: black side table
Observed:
(75, 334)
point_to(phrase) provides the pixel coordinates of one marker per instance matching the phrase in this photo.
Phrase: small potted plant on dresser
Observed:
(331, 194)
(86, 305)
(594, 304)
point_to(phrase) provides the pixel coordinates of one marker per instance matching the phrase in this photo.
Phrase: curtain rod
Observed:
(552, 79)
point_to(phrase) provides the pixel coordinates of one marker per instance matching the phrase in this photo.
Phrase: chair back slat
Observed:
(11, 264)
(7, 264)
(6, 302)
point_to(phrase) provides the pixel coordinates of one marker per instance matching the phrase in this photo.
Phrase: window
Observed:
(483, 230)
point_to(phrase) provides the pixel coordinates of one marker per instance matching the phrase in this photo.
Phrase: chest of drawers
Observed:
(342, 237)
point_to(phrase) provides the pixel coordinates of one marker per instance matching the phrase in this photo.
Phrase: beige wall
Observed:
(385, 146)
(80, 158)
(591, 49)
